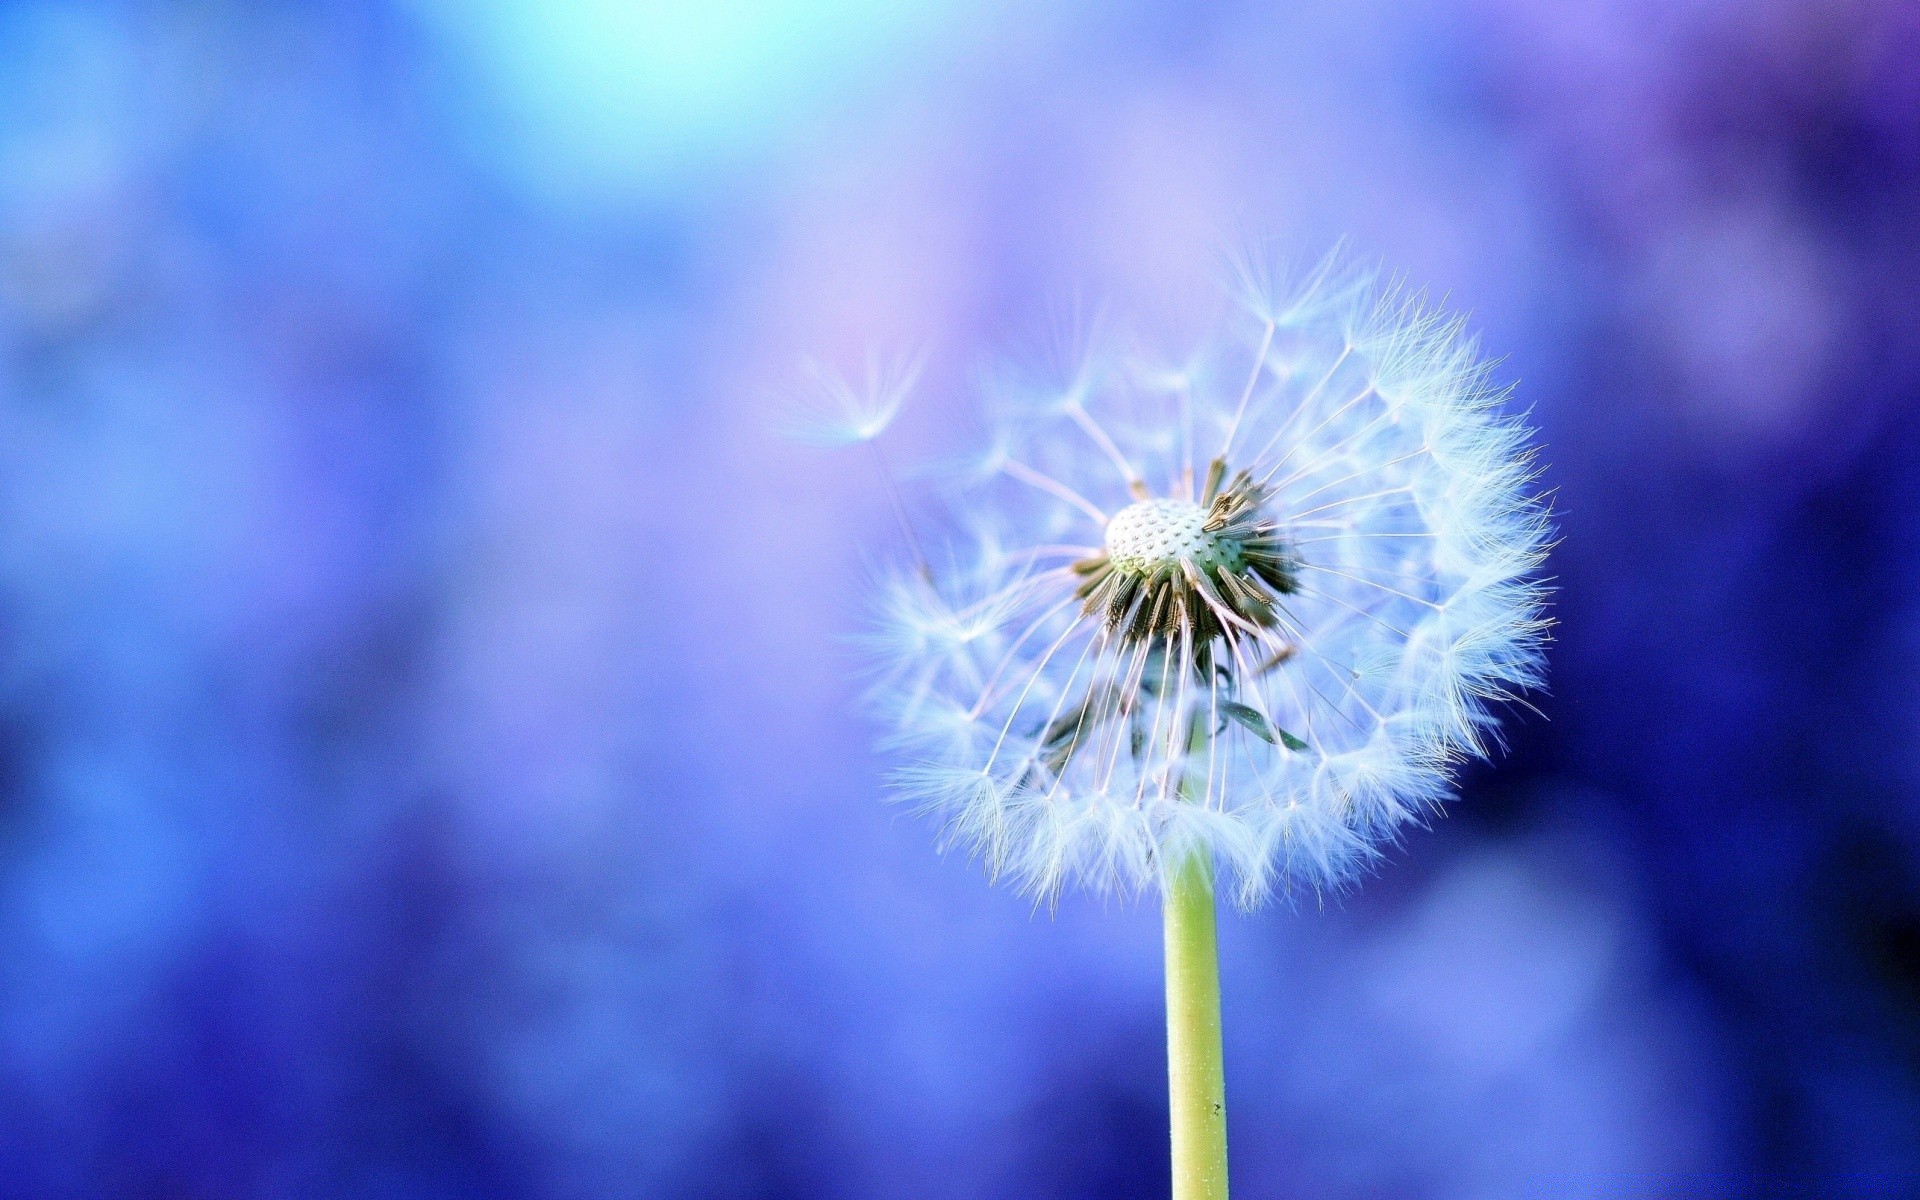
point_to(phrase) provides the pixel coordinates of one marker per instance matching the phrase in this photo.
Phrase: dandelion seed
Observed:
(835, 411)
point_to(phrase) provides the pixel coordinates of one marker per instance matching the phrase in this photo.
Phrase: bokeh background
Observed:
(429, 755)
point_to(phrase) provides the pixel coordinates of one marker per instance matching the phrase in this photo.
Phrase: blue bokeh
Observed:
(430, 759)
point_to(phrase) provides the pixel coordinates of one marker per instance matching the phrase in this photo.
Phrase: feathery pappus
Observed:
(1257, 602)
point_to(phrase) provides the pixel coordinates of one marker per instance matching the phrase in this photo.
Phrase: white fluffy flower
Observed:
(1258, 605)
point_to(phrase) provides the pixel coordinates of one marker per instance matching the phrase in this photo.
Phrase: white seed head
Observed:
(1261, 612)
(1149, 535)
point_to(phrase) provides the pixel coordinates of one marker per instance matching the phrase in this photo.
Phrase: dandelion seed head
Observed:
(1261, 604)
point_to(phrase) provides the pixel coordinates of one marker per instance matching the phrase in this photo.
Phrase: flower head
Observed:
(1258, 605)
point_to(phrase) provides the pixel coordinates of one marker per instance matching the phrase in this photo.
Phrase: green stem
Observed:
(1196, 1074)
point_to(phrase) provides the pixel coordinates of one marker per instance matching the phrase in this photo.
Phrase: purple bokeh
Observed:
(429, 733)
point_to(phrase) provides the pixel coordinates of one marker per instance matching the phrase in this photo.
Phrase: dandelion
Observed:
(1231, 617)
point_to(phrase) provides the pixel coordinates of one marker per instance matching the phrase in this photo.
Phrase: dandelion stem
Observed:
(1196, 1075)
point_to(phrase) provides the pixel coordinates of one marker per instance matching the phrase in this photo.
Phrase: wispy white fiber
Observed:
(1316, 660)
(836, 411)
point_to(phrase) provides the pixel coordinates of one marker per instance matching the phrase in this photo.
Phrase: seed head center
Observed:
(1151, 535)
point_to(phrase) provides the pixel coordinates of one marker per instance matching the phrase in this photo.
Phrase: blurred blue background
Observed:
(429, 764)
